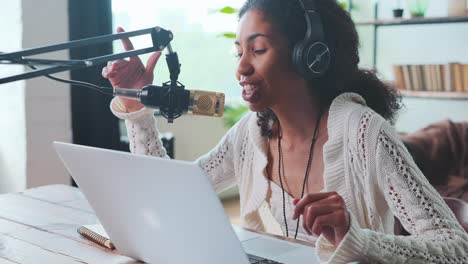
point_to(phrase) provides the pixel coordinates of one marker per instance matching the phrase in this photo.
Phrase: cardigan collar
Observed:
(332, 153)
(335, 150)
(259, 178)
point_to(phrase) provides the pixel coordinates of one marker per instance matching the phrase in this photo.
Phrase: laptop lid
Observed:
(155, 210)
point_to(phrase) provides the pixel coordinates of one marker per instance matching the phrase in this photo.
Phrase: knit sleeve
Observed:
(220, 163)
(143, 135)
(436, 236)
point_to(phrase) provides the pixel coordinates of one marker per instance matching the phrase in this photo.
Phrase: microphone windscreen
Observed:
(206, 103)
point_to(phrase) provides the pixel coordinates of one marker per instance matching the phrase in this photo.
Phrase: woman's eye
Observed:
(259, 52)
(239, 55)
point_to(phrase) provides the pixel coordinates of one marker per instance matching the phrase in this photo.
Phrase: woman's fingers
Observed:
(313, 198)
(113, 68)
(295, 201)
(117, 65)
(323, 214)
(127, 44)
(105, 72)
(130, 73)
(313, 211)
(336, 224)
(151, 63)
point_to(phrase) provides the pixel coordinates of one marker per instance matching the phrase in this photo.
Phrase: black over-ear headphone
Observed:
(311, 56)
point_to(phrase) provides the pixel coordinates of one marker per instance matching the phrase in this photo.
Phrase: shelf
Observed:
(435, 95)
(413, 21)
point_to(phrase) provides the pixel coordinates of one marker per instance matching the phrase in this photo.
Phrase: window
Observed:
(208, 59)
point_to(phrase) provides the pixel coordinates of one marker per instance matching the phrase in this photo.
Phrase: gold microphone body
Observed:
(196, 102)
(206, 103)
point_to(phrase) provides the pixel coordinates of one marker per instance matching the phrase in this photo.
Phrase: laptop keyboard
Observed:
(255, 259)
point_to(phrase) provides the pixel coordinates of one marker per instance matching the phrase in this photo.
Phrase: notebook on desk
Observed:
(166, 211)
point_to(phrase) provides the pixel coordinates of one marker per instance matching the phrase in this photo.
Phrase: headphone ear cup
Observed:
(298, 59)
(316, 58)
(311, 59)
(311, 56)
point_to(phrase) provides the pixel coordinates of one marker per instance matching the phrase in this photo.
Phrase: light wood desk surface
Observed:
(39, 226)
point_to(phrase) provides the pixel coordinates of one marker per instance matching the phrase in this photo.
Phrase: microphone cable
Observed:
(101, 89)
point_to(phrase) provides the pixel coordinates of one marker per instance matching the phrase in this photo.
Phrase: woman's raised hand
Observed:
(323, 214)
(130, 73)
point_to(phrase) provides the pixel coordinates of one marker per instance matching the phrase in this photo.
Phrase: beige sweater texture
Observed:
(365, 162)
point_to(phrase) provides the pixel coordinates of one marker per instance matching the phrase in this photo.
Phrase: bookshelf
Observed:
(420, 108)
(438, 95)
(412, 21)
(376, 23)
(444, 80)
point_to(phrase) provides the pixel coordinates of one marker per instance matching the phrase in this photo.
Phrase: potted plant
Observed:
(233, 113)
(417, 8)
(398, 9)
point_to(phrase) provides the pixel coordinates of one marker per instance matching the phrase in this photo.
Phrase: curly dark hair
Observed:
(343, 74)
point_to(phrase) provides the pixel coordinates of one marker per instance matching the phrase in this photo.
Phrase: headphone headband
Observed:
(309, 5)
(311, 55)
(314, 25)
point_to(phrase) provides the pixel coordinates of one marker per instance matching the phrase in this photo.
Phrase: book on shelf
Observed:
(428, 84)
(413, 77)
(407, 78)
(398, 73)
(451, 77)
(447, 78)
(439, 78)
(459, 77)
(465, 77)
(432, 72)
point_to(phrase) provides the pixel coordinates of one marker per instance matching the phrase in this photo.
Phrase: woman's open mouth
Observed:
(251, 93)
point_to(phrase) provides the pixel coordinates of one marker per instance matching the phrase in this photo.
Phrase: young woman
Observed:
(316, 158)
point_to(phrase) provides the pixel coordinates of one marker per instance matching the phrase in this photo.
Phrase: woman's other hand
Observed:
(323, 214)
(130, 73)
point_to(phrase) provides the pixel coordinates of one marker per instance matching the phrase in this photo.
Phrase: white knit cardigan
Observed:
(365, 162)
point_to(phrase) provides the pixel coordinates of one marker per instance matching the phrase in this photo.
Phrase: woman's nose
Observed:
(244, 67)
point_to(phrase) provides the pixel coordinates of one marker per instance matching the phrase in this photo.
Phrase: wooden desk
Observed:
(39, 226)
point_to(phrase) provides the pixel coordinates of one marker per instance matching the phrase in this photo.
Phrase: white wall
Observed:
(37, 111)
(12, 104)
(419, 112)
(48, 107)
(194, 135)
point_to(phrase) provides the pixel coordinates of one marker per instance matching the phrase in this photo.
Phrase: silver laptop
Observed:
(166, 211)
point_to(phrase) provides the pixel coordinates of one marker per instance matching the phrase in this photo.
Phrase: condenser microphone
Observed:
(176, 101)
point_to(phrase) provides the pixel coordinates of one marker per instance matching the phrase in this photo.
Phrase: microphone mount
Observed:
(160, 38)
(172, 90)
(171, 99)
